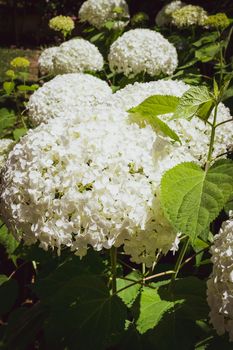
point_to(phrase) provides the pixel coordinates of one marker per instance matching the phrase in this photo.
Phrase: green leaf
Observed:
(208, 52)
(25, 88)
(196, 101)
(193, 198)
(149, 110)
(7, 118)
(17, 133)
(156, 105)
(152, 309)
(8, 86)
(7, 240)
(88, 312)
(3, 278)
(129, 295)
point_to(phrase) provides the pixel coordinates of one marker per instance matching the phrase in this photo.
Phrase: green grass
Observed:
(7, 54)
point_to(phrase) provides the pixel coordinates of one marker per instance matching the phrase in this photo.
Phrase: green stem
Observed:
(113, 258)
(212, 137)
(180, 259)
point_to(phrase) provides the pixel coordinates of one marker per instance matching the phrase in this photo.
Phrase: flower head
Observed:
(20, 62)
(220, 284)
(164, 16)
(65, 94)
(218, 21)
(194, 134)
(5, 147)
(64, 24)
(188, 16)
(77, 55)
(142, 51)
(98, 12)
(70, 184)
(45, 61)
(10, 73)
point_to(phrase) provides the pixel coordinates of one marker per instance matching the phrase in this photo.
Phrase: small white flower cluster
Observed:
(65, 94)
(73, 56)
(86, 181)
(45, 61)
(5, 147)
(98, 12)
(194, 134)
(142, 51)
(164, 15)
(220, 284)
(189, 15)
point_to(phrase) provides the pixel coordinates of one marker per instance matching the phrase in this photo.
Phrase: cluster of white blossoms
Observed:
(77, 55)
(5, 147)
(164, 15)
(189, 15)
(73, 56)
(142, 51)
(98, 12)
(87, 181)
(65, 94)
(45, 61)
(220, 284)
(194, 134)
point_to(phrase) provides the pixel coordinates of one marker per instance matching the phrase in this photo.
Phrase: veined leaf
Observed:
(152, 309)
(8, 86)
(193, 198)
(129, 294)
(196, 101)
(157, 105)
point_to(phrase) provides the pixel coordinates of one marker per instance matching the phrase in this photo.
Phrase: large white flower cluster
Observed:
(164, 15)
(98, 12)
(194, 134)
(220, 284)
(5, 147)
(87, 181)
(45, 61)
(73, 56)
(66, 93)
(142, 51)
(77, 55)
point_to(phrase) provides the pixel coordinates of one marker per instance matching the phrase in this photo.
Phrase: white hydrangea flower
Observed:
(164, 15)
(142, 51)
(220, 284)
(77, 55)
(45, 61)
(98, 12)
(87, 181)
(65, 94)
(194, 134)
(5, 147)
(189, 15)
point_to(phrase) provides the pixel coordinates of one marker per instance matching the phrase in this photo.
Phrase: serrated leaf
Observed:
(207, 52)
(157, 105)
(88, 312)
(193, 198)
(152, 309)
(196, 101)
(129, 295)
(156, 124)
